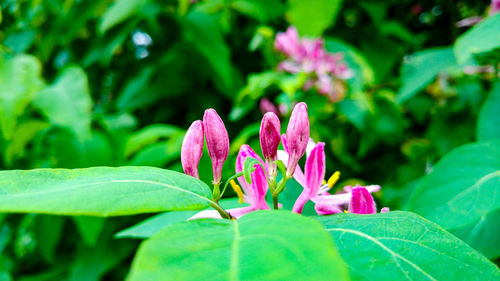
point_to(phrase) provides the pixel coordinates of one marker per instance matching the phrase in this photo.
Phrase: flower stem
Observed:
(221, 211)
(276, 192)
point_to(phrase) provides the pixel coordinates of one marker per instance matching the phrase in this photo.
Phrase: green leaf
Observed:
(150, 135)
(262, 10)
(362, 71)
(421, 69)
(311, 18)
(266, 245)
(67, 102)
(19, 81)
(462, 190)
(404, 246)
(248, 168)
(90, 228)
(488, 123)
(101, 191)
(119, 12)
(483, 37)
(154, 224)
(203, 33)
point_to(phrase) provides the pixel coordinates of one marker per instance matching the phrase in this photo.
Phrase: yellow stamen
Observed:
(345, 211)
(238, 191)
(324, 182)
(333, 179)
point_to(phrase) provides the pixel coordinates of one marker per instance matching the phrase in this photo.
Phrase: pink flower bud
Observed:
(297, 136)
(192, 149)
(270, 136)
(362, 201)
(217, 142)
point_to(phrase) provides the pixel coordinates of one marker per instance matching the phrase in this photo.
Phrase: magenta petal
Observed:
(315, 169)
(269, 135)
(326, 208)
(297, 135)
(362, 201)
(246, 151)
(239, 212)
(259, 188)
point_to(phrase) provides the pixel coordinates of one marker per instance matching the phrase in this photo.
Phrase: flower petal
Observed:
(362, 201)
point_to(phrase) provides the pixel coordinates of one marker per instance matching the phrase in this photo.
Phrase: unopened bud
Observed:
(362, 201)
(192, 149)
(297, 136)
(270, 139)
(217, 142)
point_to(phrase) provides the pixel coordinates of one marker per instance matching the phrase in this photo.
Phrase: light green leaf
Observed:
(150, 135)
(101, 191)
(488, 123)
(483, 37)
(311, 18)
(118, 12)
(154, 224)
(266, 245)
(24, 133)
(67, 102)
(262, 10)
(421, 69)
(19, 81)
(404, 246)
(462, 190)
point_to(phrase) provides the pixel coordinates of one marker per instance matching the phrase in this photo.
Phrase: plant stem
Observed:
(221, 211)
(278, 190)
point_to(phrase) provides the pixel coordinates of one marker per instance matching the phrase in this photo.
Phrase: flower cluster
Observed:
(296, 144)
(310, 56)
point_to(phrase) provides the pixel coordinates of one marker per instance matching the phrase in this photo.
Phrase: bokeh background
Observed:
(115, 83)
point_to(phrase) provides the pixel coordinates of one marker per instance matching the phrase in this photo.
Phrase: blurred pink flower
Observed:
(310, 56)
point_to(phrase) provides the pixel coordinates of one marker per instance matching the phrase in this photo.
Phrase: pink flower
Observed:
(254, 193)
(217, 142)
(314, 175)
(310, 56)
(192, 149)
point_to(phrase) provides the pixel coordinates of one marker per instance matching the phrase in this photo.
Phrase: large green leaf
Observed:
(262, 10)
(266, 245)
(67, 102)
(404, 246)
(312, 17)
(488, 123)
(483, 37)
(100, 191)
(421, 68)
(156, 223)
(19, 81)
(462, 191)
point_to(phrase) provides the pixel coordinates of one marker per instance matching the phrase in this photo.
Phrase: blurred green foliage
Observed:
(115, 83)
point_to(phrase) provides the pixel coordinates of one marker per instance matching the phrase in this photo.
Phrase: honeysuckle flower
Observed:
(270, 136)
(314, 175)
(310, 56)
(297, 136)
(192, 149)
(358, 198)
(253, 194)
(217, 142)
